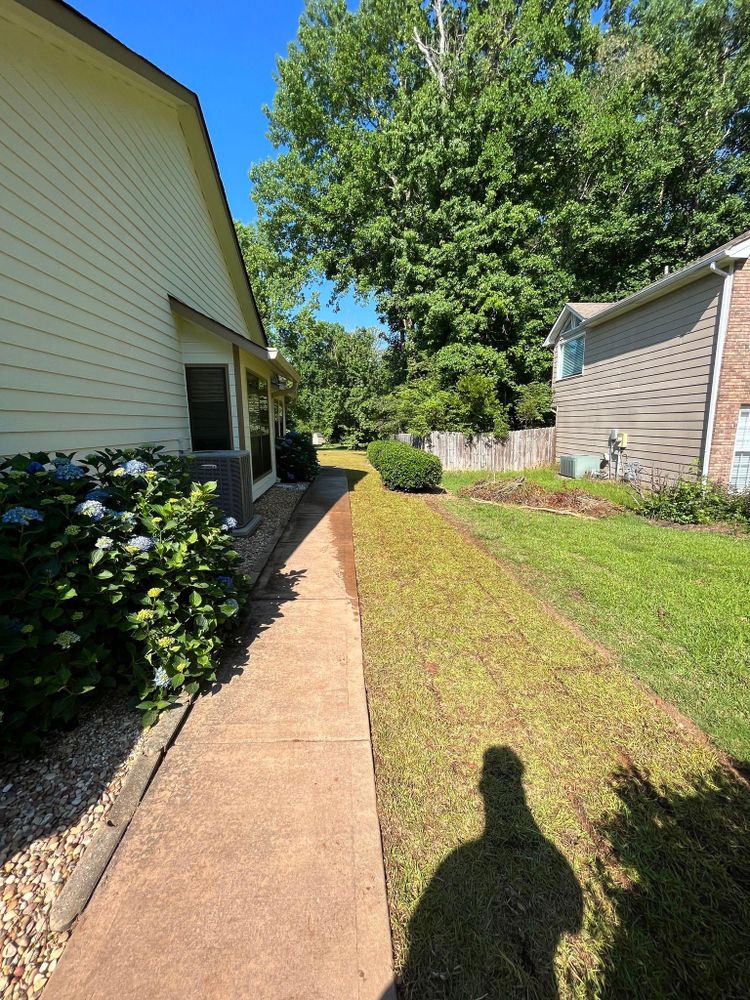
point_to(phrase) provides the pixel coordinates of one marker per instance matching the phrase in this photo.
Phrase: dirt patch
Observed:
(717, 528)
(523, 493)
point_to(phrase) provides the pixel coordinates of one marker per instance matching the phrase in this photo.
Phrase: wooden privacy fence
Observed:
(462, 452)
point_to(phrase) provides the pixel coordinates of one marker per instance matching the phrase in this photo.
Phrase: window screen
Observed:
(260, 425)
(208, 406)
(571, 357)
(740, 475)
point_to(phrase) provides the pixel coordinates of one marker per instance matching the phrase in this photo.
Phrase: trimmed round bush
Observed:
(374, 450)
(405, 468)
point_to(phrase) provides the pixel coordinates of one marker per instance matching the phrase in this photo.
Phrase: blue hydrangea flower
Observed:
(97, 494)
(134, 468)
(33, 467)
(231, 603)
(229, 523)
(14, 625)
(225, 581)
(161, 678)
(67, 471)
(139, 543)
(21, 515)
(91, 508)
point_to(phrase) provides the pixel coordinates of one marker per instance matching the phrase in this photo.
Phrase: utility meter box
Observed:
(577, 466)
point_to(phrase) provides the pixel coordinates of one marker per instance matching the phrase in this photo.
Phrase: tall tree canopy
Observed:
(472, 164)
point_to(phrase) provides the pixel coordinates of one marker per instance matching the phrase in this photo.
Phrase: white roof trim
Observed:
(272, 355)
(565, 313)
(738, 251)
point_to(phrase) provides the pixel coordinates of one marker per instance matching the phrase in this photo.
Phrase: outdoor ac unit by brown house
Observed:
(232, 472)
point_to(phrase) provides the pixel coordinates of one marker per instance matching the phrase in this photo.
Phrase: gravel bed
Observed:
(50, 808)
(275, 507)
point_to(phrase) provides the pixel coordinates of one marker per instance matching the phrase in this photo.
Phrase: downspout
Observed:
(726, 298)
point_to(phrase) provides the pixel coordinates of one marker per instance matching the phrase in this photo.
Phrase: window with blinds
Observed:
(571, 356)
(259, 424)
(739, 477)
(208, 407)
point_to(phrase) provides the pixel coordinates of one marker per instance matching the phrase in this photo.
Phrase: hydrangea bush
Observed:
(116, 571)
(296, 457)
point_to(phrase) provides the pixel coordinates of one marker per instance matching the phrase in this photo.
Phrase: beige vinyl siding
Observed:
(647, 373)
(102, 218)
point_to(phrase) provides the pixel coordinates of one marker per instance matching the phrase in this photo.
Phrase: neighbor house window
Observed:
(208, 407)
(739, 477)
(260, 425)
(571, 356)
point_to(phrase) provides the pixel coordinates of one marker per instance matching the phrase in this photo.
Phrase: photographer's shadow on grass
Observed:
(490, 921)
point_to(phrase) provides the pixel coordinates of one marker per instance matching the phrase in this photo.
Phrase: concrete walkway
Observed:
(253, 867)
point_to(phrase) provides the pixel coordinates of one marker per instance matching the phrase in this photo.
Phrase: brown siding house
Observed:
(668, 367)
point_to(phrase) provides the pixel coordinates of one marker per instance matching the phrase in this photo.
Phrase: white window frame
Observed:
(567, 338)
(739, 476)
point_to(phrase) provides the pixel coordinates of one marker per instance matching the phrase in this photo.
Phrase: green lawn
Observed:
(671, 605)
(548, 478)
(549, 830)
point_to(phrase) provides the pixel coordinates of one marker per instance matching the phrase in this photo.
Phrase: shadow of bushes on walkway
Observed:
(489, 922)
(683, 927)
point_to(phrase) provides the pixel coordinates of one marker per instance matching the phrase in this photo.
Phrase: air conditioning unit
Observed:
(232, 473)
(576, 466)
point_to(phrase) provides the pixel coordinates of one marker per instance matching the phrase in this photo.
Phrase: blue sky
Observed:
(226, 52)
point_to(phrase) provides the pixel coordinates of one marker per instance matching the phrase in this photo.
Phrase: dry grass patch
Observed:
(549, 830)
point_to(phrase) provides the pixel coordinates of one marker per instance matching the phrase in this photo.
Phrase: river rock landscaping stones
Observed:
(50, 808)
(275, 507)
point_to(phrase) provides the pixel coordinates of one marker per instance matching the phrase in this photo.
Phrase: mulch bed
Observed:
(522, 493)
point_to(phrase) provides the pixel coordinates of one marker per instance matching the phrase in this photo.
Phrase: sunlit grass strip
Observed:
(465, 667)
(670, 604)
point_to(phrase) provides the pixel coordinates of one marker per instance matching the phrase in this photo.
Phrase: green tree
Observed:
(660, 144)
(343, 379)
(280, 285)
(534, 404)
(344, 374)
(472, 165)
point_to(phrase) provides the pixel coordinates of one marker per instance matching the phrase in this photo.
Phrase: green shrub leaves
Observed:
(116, 571)
(296, 458)
(404, 468)
(695, 501)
